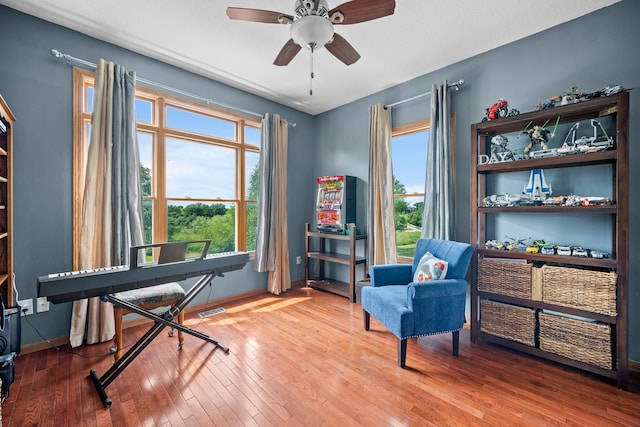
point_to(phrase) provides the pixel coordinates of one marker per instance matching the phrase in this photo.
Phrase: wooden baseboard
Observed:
(43, 345)
(634, 375)
(61, 341)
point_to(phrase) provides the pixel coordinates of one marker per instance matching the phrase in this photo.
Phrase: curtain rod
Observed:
(69, 59)
(455, 85)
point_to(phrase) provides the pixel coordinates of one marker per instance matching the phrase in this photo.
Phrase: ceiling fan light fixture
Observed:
(312, 31)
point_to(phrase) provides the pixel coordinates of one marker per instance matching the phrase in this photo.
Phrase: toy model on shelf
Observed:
(539, 135)
(541, 247)
(600, 141)
(498, 110)
(576, 96)
(537, 190)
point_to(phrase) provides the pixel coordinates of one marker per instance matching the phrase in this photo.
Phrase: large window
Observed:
(199, 168)
(409, 151)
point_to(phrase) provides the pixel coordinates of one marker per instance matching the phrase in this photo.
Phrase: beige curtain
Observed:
(272, 245)
(380, 224)
(112, 204)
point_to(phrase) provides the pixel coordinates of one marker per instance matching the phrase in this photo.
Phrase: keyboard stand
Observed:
(159, 324)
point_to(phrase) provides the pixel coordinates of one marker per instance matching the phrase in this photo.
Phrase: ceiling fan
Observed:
(312, 25)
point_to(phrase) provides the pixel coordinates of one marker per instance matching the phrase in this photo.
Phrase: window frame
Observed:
(84, 79)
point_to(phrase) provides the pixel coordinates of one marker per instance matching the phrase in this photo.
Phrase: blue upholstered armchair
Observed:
(411, 309)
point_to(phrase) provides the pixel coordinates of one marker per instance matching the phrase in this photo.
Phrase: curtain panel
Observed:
(272, 244)
(438, 215)
(112, 202)
(381, 235)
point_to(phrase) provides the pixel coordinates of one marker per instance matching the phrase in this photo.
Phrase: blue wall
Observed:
(589, 52)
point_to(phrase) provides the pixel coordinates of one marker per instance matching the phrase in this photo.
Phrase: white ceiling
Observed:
(196, 35)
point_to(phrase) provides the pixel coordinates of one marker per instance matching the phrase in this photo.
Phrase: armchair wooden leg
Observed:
(367, 319)
(455, 342)
(402, 352)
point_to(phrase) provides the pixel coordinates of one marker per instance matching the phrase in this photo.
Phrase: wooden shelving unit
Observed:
(485, 177)
(6, 203)
(317, 248)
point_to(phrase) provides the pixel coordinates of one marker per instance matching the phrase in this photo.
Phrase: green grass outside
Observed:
(406, 243)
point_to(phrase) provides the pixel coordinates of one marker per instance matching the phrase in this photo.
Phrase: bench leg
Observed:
(180, 334)
(117, 338)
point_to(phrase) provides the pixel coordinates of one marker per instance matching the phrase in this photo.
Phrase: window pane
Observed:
(252, 135)
(87, 136)
(144, 111)
(252, 225)
(252, 175)
(199, 170)
(200, 221)
(145, 144)
(199, 123)
(409, 161)
(147, 220)
(89, 98)
(408, 224)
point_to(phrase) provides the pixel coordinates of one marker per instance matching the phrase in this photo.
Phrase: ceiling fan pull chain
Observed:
(311, 75)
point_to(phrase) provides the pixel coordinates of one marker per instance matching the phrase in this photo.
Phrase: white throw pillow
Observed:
(430, 268)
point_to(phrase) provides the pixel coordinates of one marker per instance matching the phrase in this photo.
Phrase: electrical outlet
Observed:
(42, 305)
(27, 306)
(298, 259)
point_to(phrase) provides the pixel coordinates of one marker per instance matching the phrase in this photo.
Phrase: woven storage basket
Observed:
(587, 342)
(508, 321)
(505, 278)
(583, 289)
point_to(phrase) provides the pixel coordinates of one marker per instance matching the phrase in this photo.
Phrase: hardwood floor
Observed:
(304, 359)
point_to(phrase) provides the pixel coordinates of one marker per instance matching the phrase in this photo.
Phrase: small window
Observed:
(409, 163)
(180, 119)
(144, 111)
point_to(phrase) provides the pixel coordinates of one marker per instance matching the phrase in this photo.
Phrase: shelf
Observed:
(336, 236)
(325, 253)
(336, 257)
(486, 337)
(598, 107)
(585, 159)
(605, 209)
(550, 259)
(6, 206)
(541, 305)
(330, 285)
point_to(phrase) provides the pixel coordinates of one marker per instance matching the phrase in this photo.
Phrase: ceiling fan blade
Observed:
(341, 49)
(287, 53)
(257, 15)
(363, 10)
